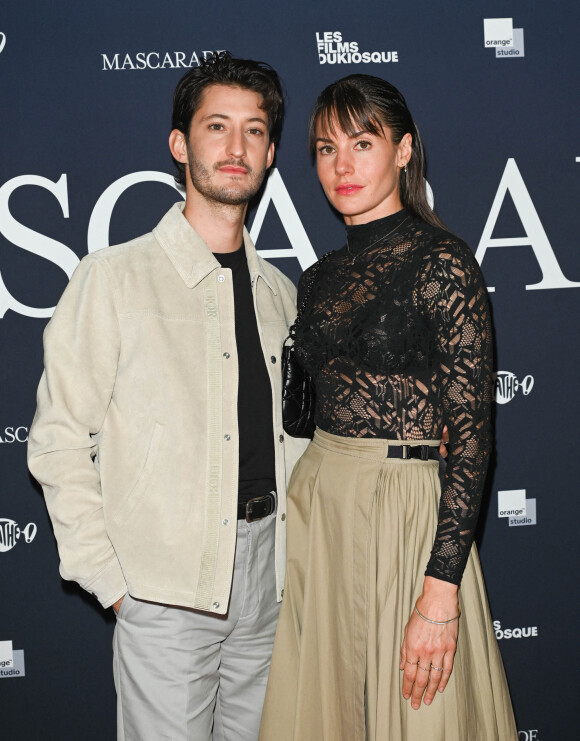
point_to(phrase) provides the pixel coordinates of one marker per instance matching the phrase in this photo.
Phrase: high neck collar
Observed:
(361, 236)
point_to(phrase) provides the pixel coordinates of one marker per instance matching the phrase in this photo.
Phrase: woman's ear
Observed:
(405, 150)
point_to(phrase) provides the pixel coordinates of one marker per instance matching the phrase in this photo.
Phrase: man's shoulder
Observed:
(126, 250)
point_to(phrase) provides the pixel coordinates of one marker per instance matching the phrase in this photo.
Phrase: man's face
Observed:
(228, 148)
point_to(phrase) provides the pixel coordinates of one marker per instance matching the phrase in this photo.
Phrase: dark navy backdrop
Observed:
(86, 100)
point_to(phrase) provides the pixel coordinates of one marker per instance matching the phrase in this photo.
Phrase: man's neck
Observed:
(219, 225)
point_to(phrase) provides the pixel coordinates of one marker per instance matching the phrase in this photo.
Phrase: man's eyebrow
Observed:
(225, 117)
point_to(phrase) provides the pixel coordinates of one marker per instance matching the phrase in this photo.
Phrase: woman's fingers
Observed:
(447, 669)
(409, 676)
(421, 682)
(435, 675)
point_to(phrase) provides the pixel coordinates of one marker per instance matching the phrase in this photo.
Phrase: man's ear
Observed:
(270, 157)
(178, 145)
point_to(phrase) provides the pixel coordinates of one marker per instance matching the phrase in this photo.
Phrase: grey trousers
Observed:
(186, 675)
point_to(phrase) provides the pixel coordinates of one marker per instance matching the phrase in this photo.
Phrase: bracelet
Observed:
(438, 622)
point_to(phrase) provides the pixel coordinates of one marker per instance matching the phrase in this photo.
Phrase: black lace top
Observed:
(397, 335)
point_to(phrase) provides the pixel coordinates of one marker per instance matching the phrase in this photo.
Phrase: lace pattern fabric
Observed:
(397, 336)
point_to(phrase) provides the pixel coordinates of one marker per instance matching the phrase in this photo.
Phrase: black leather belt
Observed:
(257, 508)
(406, 452)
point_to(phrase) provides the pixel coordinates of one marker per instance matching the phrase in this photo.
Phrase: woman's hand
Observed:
(428, 650)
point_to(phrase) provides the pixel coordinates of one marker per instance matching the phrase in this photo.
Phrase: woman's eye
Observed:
(363, 144)
(325, 149)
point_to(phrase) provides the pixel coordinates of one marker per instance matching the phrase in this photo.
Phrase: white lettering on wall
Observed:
(301, 247)
(100, 221)
(28, 239)
(512, 181)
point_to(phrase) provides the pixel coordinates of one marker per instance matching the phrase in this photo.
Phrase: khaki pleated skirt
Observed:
(360, 532)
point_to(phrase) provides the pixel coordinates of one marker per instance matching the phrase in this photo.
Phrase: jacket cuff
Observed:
(108, 586)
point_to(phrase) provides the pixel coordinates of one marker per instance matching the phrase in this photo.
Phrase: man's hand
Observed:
(117, 604)
(444, 439)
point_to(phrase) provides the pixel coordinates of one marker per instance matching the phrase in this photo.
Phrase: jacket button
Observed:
(221, 278)
(216, 605)
(273, 358)
(226, 437)
(281, 438)
(283, 517)
(225, 521)
(226, 355)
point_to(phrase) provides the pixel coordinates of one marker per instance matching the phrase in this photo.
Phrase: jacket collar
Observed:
(191, 256)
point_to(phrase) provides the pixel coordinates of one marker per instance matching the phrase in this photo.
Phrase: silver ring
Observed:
(424, 668)
(413, 663)
(437, 668)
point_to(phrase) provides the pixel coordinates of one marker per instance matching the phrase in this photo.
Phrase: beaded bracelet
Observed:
(438, 622)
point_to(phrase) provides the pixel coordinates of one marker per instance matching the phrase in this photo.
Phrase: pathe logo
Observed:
(333, 50)
(500, 34)
(514, 505)
(14, 435)
(11, 661)
(154, 60)
(10, 533)
(508, 633)
(507, 386)
(2, 41)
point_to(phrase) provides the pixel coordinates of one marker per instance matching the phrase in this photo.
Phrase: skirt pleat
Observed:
(360, 531)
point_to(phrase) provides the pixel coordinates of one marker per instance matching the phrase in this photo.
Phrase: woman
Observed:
(375, 641)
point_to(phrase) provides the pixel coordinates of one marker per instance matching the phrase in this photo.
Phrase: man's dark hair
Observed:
(223, 69)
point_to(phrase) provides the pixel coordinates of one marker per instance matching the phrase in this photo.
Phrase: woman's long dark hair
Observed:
(366, 103)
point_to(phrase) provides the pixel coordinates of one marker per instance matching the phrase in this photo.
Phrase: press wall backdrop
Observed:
(85, 108)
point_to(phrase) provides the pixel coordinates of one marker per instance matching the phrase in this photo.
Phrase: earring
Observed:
(405, 168)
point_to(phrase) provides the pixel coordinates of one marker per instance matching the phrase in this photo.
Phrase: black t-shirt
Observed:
(256, 431)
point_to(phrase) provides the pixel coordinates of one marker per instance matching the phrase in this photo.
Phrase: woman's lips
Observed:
(348, 189)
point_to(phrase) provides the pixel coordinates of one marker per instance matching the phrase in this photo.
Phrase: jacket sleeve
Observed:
(81, 350)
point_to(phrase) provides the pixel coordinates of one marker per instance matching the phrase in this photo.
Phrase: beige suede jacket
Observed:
(135, 437)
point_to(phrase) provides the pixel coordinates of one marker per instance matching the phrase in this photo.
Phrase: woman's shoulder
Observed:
(441, 247)
(309, 275)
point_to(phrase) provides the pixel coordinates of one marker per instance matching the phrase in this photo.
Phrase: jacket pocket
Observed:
(139, 488)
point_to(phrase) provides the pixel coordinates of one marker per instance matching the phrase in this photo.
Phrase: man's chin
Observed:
(232, 196)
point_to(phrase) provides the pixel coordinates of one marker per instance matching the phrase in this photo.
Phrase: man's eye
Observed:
(256, 132)
(216, 126)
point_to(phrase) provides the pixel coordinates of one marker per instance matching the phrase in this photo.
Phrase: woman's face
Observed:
(360, 173)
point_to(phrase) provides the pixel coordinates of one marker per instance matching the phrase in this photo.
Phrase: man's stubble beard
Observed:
(234, 195)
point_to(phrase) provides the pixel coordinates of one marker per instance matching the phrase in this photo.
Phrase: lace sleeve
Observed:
(457, 302)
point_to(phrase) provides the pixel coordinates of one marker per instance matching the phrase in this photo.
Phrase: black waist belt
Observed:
(406, 452)
(257, 508)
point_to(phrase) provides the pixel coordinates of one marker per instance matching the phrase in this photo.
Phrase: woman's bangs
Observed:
(350, 117)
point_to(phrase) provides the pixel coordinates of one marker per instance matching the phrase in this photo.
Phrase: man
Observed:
(158, 427)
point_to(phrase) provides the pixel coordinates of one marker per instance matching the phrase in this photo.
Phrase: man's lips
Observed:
(233, 170)
(348, 189)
